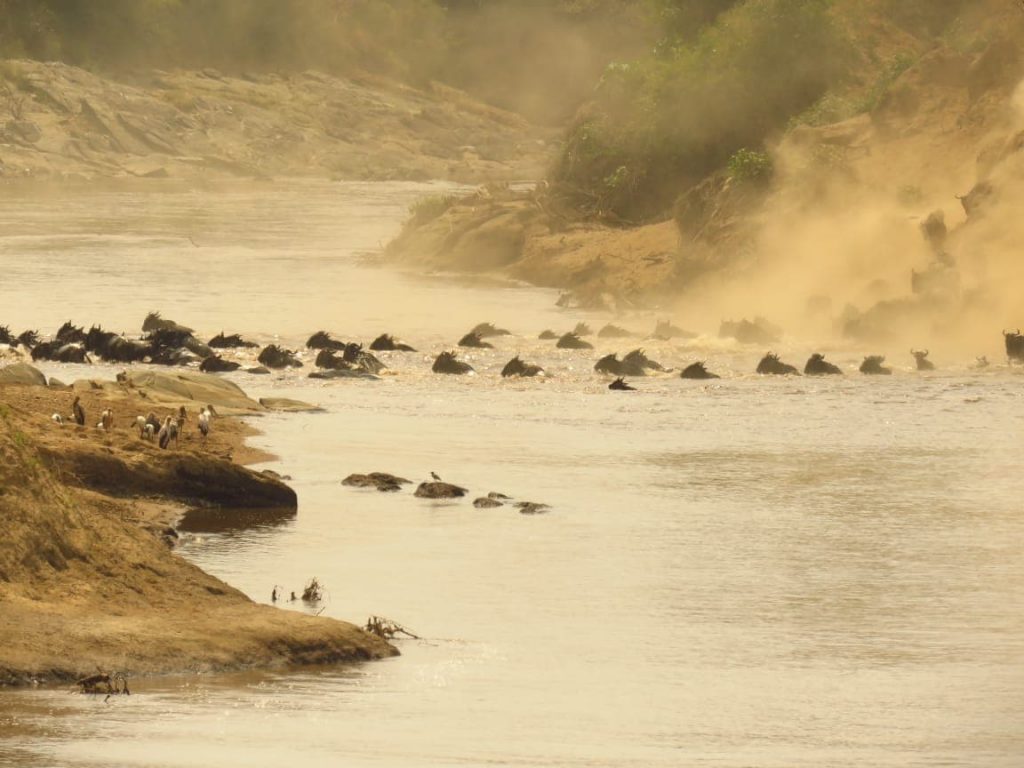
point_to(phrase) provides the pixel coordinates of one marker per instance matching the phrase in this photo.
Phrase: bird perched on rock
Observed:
(437, 477)
(78, 412)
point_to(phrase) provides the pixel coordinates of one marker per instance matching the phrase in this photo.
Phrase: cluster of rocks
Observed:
(438, 489)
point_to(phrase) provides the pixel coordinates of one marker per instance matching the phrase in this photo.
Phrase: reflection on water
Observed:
(751, 572)
(226, 521)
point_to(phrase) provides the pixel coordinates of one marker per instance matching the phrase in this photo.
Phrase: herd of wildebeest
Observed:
(165, 342)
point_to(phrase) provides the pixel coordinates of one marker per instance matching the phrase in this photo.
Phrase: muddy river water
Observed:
(752, 572)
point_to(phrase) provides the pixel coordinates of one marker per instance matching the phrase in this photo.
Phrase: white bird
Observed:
(57, 419)
(140, 424)
(164, 437)
(107, 419)
(204, 422)
(149, 432)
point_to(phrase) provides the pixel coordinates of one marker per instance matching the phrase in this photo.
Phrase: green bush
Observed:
(427, 209)
(673, 117)
(751, 165)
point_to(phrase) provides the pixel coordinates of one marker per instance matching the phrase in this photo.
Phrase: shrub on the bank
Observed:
(671, 118)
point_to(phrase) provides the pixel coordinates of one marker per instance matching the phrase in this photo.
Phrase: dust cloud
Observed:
(850, 255)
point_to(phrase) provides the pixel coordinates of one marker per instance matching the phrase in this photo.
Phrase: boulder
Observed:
(438, 490)
(22, 374)
(289, 406)
(180, 387)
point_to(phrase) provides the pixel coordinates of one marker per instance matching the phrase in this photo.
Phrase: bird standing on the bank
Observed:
(204, 422)
(57, 419)
(164, 436)
(107, 419)
(78, 412)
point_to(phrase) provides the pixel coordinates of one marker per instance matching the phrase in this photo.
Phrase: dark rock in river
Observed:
(486, 502)
(438, 490)
(532, 508)
(382, 481)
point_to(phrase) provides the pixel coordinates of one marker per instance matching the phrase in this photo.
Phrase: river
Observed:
(747, 572)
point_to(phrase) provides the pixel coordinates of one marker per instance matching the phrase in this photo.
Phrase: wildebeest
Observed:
(621, 385)
(666, 331)
(154, 322)
(1014, 345)
(323, 340)
(516, 367)
(572, 341)
(614, 332)
(771, 365)
(6, 337)
(353, 358)
(28, 339)
(486, 330)
(115, 348)
(582, 329)
(474, 340)
(697, 371)
(387, 343)
(817, 365)
(234, 341)
(70, 334)
(921, 358)
(448, 362)
(760, 331)
(277, 357)
(547, 335)
(60, 352)
(635, 363)
(217, 364)
(872, 366)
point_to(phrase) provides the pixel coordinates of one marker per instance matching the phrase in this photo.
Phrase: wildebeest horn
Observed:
(1012, 333)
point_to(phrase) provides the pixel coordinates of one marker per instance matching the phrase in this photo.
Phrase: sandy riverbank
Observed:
(88, 581)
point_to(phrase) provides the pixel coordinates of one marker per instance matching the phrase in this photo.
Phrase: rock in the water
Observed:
(23, 374)
(532, 508)
(201, 387)
(289, 406)
(382, 481)
(259, 370)
(439, 490)
(486, 502)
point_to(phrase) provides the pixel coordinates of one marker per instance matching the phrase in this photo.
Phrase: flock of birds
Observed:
(150, 427)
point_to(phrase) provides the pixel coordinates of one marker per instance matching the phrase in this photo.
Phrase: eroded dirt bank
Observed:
(88, 582)
(896, 221)
(63, 122)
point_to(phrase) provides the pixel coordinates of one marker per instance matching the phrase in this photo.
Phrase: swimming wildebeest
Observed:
(921, 357)
(473, 339)
(217, 364)
(664, 330)
(274, 356)
(486, 330)
(387, 343)
(323, 340)
(582, 329)
(548, 335)
(621, 385)
(70, 334)
(614, 332)
(154, 322)
(572, 341)
(771, 365)
(59, 352)
(697, 371)
(636, 363)
(516, 367)
(234, 341)
(872, 366)
(1014, 345)
(760, 331)
(448, 362)
(817, 365)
